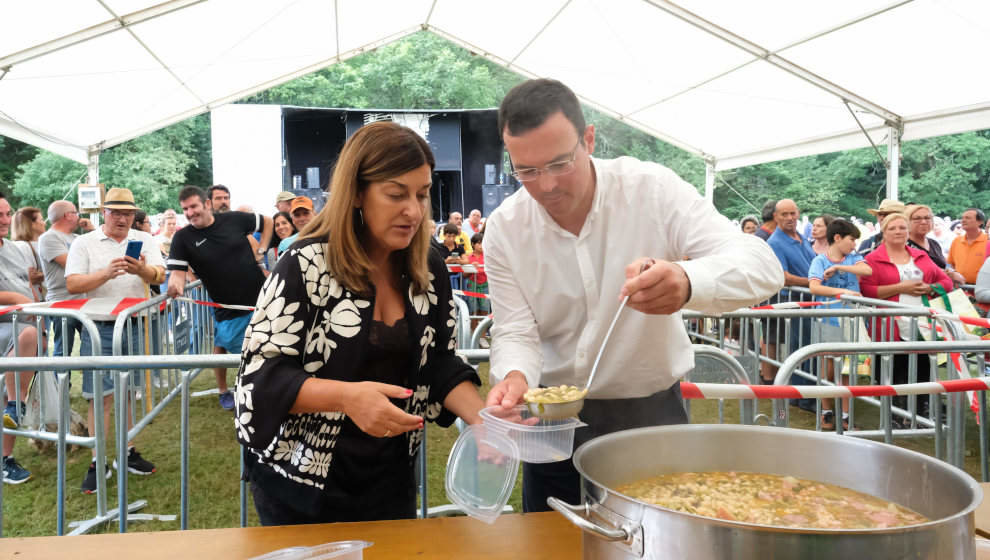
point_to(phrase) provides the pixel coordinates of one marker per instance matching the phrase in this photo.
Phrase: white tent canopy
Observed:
(737, 83)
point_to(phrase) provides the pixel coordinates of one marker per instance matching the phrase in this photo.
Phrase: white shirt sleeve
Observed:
(728, 269)
(515, 338)
(78, 260)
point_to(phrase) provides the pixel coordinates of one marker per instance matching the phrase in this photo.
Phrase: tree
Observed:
(154, 167)
(12, 155)
(46, 178)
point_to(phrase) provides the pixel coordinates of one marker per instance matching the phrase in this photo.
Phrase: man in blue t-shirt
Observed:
(795, 254)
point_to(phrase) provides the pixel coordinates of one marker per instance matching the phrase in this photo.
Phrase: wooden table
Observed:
(510, 537)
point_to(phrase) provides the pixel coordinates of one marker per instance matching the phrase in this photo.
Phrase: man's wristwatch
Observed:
(261, 250)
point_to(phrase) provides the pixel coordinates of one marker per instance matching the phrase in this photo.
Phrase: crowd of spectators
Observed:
(901, 258)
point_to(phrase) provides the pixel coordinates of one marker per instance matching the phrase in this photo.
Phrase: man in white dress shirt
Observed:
(588, 226)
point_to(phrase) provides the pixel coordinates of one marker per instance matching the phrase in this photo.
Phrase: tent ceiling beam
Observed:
(775, 59)
(597, 106)
(817, 35)
(540, 32)
(151, 127)
(95, 31)
(158, 59)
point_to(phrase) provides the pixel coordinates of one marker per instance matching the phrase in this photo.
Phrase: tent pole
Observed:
(93, 177)
(710, 181)
(893, 161)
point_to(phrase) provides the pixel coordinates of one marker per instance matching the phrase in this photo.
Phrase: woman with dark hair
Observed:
(142, 223)
(819, 227)
(283, 229)
(749, 224)
(351, 347)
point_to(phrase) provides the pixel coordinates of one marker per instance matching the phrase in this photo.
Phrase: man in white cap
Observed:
(98, 267)
(284, 201)
(887, 207)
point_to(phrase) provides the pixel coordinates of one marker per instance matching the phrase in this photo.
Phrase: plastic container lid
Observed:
(481, 472)
(539, 440)
(340, 550)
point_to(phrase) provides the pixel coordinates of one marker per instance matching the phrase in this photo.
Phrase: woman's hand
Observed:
(368, 406)
(36, 276)
(916, 288)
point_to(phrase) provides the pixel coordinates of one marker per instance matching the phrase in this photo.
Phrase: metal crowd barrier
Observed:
(797, 329)
(17, 364)
(157, 326)
(950, 441)
(155, 396)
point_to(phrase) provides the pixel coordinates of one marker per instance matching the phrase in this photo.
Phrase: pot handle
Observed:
(579, 515)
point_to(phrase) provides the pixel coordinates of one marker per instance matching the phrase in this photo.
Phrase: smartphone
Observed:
(134, 249)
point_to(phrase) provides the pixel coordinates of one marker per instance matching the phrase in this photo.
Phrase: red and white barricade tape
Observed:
(215, 304)
(108, 308)
(792, 305)
(731, 391)
(466, 268)
(470, 294)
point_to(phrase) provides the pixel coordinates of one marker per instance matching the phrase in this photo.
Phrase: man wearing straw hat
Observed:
(887, 207)
(98, 267)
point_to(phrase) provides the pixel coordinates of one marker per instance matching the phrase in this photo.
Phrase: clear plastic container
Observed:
(539, 440)
(340, 550)
(481, 472)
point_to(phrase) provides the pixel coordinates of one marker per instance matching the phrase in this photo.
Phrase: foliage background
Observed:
(423, 71)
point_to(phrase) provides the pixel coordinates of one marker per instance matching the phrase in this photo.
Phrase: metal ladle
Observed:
(570, 409)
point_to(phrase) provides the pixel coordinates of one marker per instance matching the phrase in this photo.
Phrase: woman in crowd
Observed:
(29, 224)
(819, 241)
(941, 233)
(284, 229)
(919, 226)
(351, 348)
(143, 223)
(166, 231)
(749, 224)
(903, 274)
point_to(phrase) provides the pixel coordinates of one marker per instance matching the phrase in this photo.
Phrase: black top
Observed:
(314, 327)
(934, 252)
(221, 255)
(870, 244)
(457, 251)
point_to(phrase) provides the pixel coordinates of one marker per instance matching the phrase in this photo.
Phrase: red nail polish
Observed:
(408, 392)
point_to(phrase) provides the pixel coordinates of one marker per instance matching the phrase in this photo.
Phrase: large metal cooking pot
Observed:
(616, 526)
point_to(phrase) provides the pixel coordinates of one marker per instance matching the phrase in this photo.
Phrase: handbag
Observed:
(955, 302)
(42, 400)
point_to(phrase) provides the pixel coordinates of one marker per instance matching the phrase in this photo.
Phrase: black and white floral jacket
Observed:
(307, 325)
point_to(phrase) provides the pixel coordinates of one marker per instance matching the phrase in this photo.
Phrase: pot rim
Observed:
(963, 475)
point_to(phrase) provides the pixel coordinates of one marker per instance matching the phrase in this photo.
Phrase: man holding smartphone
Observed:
(98, 266)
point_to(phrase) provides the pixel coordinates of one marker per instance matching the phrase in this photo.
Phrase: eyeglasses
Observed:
(554, 169)
(921, 219)
(122, 214)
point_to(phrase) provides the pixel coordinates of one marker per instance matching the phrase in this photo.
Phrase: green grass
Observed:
(29, 509)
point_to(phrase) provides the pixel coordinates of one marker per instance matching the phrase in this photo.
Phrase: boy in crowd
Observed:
(835, 273)
(477, 282)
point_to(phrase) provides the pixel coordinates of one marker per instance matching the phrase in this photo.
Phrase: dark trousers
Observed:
(603, 416)
(274, 509)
